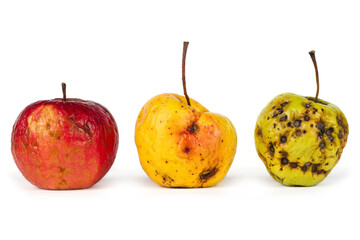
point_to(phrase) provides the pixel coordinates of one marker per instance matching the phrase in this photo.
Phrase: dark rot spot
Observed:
(284, 161)
(320, 125)
(314, 167)
(297, 123)
(207, 173)
(293, 165)
(322, 145)
(283, 118)
(284, 104)
(331, 138)
(85, 128)
(167, 179)
(329, 131)
(278, 112)
(339, 122)
(271, 149)
(186, 149)
(285, 154)
(311, 125)
(283, 139)
(340, 135)
(320, 135)
(308, 105)
(320, 171)
(307, 164)
(306, 118)
(193, 128)
(259, 132)
(304, 131)
(298, 133)
(289, 124)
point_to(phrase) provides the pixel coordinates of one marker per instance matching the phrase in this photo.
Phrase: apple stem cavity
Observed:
(186, 44)
(64, 91)
(312, 55)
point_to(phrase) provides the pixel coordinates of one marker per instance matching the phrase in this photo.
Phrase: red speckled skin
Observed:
(59, 144)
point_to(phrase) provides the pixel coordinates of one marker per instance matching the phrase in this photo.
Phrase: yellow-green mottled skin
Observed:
(300, 140)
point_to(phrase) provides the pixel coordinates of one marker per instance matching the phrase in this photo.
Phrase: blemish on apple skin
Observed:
(85, 128)
(322, 145)
(259, 131)
(340, 135)
(272, 150)
(193, 128)
(186, 150)
(297, 123)
(293, 165)
(284, 161)
(206, 174)
(283, 118)
(284, 104)
(167, 179)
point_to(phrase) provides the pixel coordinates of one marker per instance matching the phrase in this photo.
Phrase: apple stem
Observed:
(64, 91)
(186, 44)
(312, 55)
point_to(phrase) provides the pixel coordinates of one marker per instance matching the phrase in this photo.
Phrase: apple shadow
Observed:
(21, 182)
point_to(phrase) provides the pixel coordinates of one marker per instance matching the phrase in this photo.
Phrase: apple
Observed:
(64, 143)
(180, 143)
(300, 139)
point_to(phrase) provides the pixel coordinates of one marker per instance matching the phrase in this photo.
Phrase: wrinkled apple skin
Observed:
(181, 145)
(59, 144)
(299, 140)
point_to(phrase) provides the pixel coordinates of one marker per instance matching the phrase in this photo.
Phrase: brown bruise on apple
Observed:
(303, 147)
(186, 146)
(57, 151)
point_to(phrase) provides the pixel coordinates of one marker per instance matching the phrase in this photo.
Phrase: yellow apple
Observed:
(182, 144)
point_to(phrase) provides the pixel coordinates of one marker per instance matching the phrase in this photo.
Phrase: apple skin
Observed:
(299, 140)
(59, 144)
(175, 154)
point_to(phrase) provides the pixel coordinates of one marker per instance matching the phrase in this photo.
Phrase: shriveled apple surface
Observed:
(241, 55)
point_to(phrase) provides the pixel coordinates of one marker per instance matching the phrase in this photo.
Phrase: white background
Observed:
(122, 53)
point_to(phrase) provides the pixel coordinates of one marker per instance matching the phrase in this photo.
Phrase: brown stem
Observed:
(64, 91)
(312, 55)
(186, 44)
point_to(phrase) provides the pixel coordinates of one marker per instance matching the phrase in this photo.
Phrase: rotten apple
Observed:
(181, 144)
(64, 143)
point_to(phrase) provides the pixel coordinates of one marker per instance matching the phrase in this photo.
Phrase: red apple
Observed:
(64, 143)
